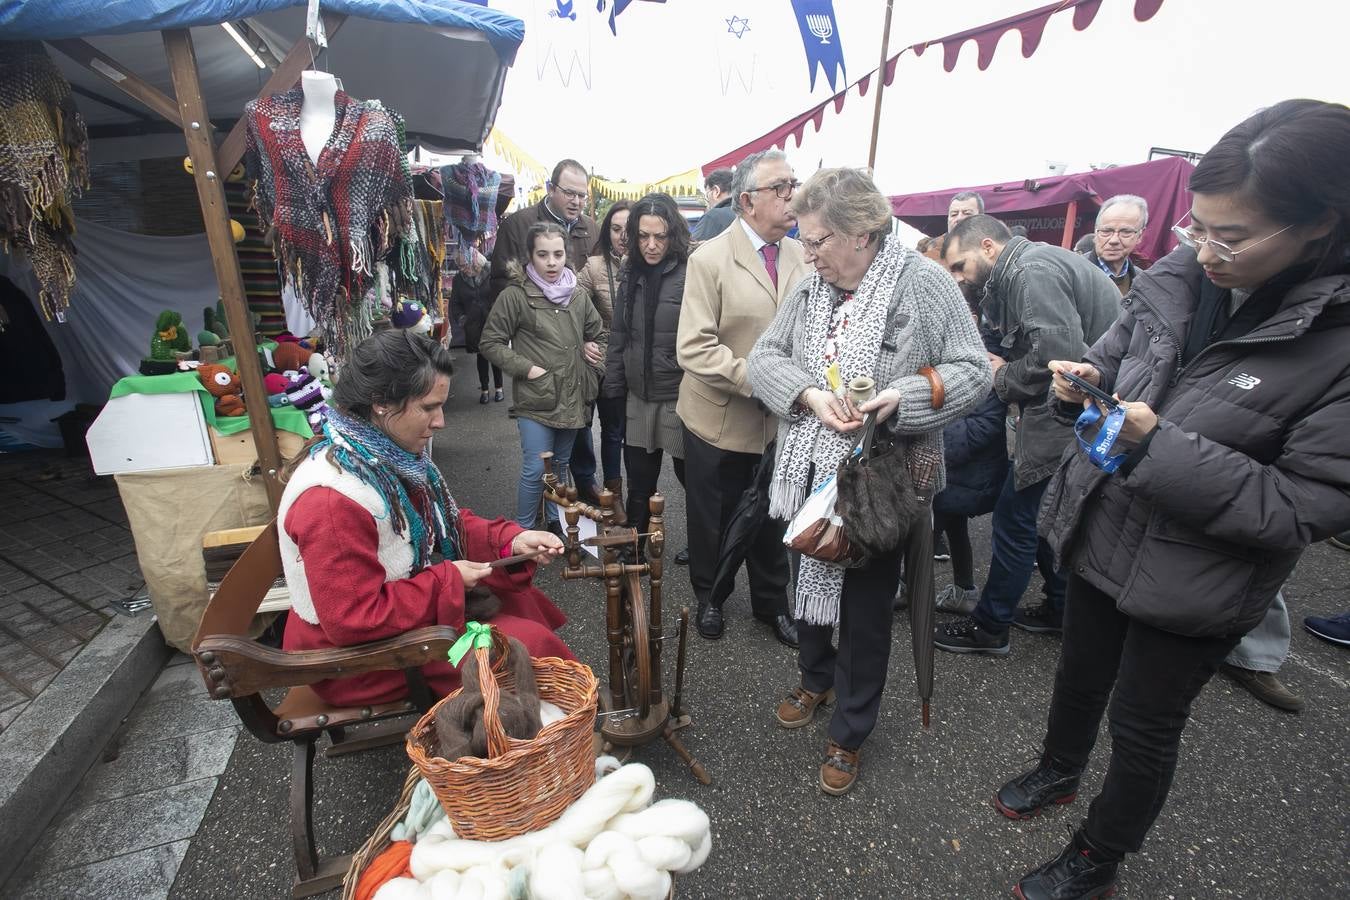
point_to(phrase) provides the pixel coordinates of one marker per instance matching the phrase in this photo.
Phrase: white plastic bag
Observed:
(820, 505)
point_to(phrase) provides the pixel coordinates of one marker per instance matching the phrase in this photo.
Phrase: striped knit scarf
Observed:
(414, 491)
(470, 207)
(331, 222)
(44, 160)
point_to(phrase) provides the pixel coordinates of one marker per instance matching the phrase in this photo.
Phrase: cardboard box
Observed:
(232, 449)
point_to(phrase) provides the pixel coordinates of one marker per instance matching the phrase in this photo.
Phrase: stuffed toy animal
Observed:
(411, 315)
(276, 384)
(225, 386)
(459, 721)
(289, 356)
(309, 395)
(170, 335)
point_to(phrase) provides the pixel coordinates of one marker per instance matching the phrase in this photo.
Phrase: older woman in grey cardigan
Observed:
(877, 309)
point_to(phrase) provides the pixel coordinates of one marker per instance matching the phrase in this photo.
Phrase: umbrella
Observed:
(919, 588)
(751, 513)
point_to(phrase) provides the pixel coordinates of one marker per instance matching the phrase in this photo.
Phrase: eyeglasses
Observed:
(781, 189)
(570, 195)
(813, 247)
(1220, 249)
(1125, 233)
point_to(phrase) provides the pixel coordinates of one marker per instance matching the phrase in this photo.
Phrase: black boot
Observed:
(1031, 792)
(1080, 872)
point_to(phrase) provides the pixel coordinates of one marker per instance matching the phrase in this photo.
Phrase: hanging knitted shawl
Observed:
(414, 492)
(332, 221)
(44, 160)
(470, 207)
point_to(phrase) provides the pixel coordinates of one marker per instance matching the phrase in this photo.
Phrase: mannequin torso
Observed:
(318, 114)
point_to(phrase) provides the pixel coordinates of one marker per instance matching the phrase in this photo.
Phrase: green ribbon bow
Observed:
(475, 634)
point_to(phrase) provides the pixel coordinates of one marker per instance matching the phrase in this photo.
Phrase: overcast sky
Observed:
(678, 87)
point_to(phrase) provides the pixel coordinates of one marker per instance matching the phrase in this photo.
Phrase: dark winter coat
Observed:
(976, 454)
(1249, 465)
(641, 358)
(472, 299)
(510, 246)
(1042, 303)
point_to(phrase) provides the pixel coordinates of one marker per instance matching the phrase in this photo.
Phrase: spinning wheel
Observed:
(637, 710)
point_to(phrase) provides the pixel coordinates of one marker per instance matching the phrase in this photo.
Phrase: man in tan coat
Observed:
(732, 289)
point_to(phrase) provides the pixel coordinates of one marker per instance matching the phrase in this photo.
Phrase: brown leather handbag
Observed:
(825, 541)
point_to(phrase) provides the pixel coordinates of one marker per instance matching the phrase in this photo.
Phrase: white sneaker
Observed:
(958, 600)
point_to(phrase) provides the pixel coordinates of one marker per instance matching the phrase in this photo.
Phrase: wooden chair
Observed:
(239, 669)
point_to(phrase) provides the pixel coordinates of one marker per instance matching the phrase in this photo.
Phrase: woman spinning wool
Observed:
(366, 512)
(877, 309)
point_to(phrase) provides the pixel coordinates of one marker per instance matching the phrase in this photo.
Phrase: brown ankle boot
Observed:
(615, 487)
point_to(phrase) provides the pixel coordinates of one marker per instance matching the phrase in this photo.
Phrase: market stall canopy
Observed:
(1042, 204)
(441, 63)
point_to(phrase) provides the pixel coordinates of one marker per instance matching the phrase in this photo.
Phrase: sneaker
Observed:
(1335, 629)
(941, 552)
(1265, 687)
(498, 397)
(1027, 795)
(1080, 872)
(1039, 619)
(956, 599)
(967, 635)
(1341, 540)
(483, 398)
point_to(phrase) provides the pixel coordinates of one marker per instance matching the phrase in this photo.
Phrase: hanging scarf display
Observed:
(413, 489)
(470, 208)
(332, 222)
(431, 216)
(44, 161)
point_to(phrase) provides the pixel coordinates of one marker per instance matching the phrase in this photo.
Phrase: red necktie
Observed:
(770, 252)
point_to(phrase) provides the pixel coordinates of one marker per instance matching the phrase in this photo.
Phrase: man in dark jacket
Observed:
(1039, 302)
(720, 214)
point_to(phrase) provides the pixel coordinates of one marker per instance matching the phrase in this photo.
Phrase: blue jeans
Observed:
(1264, 648)
(536, 438)
(1016, 549)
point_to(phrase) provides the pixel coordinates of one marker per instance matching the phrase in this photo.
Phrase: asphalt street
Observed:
(1258, 809)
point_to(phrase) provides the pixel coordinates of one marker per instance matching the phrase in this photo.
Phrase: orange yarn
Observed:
(391, 864)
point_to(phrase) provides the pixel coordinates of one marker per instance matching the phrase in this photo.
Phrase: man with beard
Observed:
(1037, 302)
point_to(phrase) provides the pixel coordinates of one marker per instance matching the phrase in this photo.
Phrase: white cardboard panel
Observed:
(141, 432)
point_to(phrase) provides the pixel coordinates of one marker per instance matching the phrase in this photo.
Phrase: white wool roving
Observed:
(611, 844)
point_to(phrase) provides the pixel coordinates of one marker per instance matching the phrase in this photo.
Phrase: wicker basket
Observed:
(523, 785)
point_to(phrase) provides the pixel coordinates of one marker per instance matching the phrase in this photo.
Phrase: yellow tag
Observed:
(832, 377)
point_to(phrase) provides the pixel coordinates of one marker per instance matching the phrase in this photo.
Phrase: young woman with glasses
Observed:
(1231, 361)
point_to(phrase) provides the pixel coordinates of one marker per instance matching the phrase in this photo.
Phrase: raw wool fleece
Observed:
(333, 222)
(44, 161)
(395, 550)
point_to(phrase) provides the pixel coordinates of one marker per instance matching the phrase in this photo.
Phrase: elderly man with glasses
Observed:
(732, 290)
(1120, 225)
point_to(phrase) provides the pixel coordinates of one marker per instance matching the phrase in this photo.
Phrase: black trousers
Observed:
(1150, 677)
(957, 530)
(644, 470)
(857, 669)
(717, 479)
(483, 366)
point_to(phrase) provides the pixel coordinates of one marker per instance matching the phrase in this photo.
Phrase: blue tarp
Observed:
(52, 19)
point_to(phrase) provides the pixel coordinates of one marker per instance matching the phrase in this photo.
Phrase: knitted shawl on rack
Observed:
(44, 161)
(470, 208)
(332, 222)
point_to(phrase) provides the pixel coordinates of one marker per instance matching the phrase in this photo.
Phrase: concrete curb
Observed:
(47, 750)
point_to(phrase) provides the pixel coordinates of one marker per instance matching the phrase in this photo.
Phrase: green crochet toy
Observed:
(169, 336)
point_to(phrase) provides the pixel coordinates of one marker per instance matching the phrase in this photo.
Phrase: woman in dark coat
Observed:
(470, 294)
(1231, 361)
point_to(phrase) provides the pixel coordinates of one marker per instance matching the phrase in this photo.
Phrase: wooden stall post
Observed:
(1070, 220)
(881, 87)
(216, 218)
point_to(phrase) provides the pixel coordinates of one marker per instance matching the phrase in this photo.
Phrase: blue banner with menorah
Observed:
(820, 39)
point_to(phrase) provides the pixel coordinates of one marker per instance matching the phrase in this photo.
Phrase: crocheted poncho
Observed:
(332, 222)
(44, 160)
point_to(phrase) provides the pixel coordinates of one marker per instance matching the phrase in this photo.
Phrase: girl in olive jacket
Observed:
(544, 332)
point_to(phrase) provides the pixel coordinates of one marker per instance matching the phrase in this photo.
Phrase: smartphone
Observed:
(1091, 390)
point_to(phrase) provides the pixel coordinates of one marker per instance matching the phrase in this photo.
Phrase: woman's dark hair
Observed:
(662, 206)
(1290, 161)
(606, 246)
(389, 368)
(538, 230)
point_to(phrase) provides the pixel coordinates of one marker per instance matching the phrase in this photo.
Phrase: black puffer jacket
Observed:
(641, 355)
(1250, 463)
(976, 453)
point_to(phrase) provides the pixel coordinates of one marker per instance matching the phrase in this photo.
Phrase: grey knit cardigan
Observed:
(930, 325)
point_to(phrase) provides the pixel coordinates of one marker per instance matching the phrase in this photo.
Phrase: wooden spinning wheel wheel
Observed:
(637, 710)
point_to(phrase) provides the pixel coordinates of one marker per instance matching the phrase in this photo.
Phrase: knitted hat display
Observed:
(44, 161)
(409, 314)
(332, 221)
(223, 384)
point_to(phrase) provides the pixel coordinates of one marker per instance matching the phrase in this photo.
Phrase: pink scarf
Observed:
(560, 291)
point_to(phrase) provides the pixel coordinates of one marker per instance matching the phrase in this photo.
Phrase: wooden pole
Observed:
(1070, 220)
(881, 87)
(119, 76)
(216, 217)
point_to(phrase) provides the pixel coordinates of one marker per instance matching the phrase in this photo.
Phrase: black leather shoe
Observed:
(682, 558)
(784, 629)
(1080, 872)
(709, 622)
(1031, 792)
